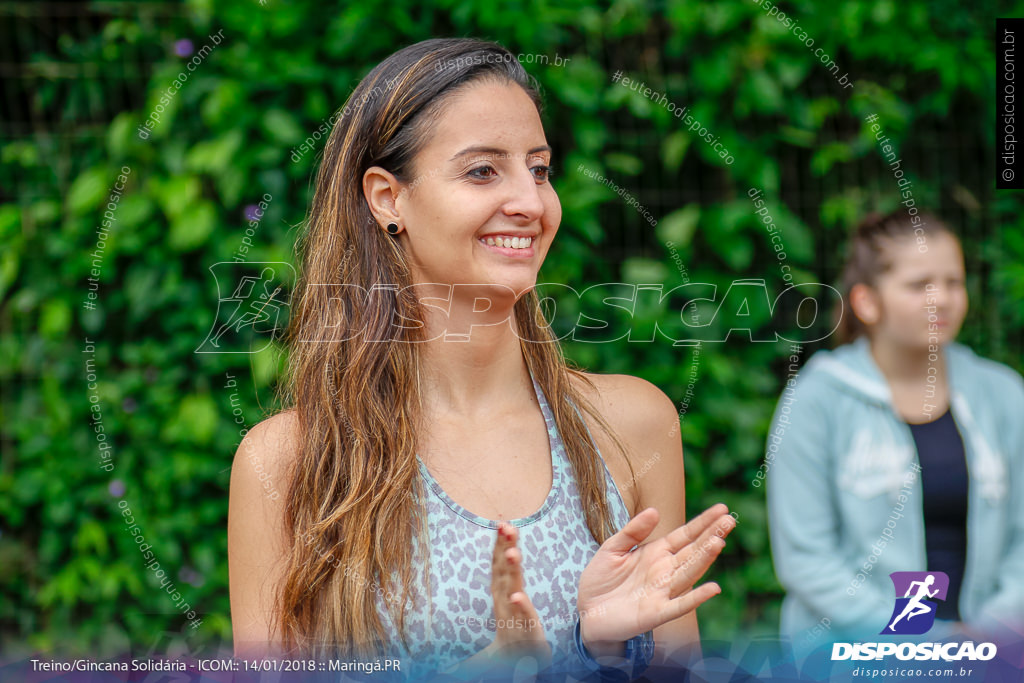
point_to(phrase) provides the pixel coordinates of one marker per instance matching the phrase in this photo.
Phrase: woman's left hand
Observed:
(623, 594)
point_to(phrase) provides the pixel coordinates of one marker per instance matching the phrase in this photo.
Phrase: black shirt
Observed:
(940, 450)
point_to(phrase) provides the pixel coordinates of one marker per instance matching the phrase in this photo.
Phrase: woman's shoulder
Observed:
(995, 379)
(844, 370)
(633, 407)
(647, 423)
(623, 397)
(278, 432)
(269, 447)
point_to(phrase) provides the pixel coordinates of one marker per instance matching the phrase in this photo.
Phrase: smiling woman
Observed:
(446, 500)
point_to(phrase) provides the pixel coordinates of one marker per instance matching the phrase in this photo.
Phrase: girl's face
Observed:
(482, 175)
(921, 299)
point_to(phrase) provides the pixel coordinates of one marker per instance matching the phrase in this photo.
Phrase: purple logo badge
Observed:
(914, 612)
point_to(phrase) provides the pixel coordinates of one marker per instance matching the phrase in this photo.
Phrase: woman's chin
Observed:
(518, 284)
(930, 340)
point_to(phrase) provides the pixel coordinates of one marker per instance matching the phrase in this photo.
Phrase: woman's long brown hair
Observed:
(354, 493)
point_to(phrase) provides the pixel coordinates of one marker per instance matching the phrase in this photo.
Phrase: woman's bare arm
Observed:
(661, 484)
(647, 421)
(256, 538)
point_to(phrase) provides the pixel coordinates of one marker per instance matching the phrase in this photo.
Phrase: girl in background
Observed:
(900, 450)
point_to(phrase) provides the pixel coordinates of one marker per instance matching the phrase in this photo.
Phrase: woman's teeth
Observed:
(511, 242)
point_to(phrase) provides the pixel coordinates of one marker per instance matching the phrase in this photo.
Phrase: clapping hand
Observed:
(623, 594)
(518, 631)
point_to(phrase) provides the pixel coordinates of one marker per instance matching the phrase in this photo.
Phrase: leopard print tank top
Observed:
(556, 546)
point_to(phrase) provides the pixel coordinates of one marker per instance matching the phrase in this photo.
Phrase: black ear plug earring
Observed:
(392, 228)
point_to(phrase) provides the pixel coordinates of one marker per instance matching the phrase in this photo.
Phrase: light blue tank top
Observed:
(556, 546)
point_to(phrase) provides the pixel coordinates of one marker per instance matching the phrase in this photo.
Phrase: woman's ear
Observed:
(865, 303)
(381, 190)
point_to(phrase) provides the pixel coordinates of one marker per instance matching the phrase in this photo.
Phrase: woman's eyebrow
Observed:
(481, 149)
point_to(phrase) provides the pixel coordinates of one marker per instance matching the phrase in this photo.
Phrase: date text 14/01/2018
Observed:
(333, 665)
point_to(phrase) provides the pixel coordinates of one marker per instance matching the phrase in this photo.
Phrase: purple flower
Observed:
(116, 488)
(183, 48)
(191, 577)
(253, 212)
(129, 405)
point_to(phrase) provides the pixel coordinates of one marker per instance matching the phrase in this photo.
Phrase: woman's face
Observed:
(481, 176)
(921, 299)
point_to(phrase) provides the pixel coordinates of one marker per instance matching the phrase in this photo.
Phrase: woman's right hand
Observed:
(518, 630)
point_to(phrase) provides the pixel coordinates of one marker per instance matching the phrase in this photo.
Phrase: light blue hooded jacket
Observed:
(845, 500)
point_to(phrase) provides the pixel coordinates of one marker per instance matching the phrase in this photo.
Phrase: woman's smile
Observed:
(513, 247)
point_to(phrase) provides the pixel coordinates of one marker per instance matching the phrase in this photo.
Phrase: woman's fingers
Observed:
(696, 558)
(514, 563)
(502, 571)
(690, 600)
(634, 533)
(518, 629)
(522, 607)
(524, 619)
(718, 530)
(695, 528)
(507, 585)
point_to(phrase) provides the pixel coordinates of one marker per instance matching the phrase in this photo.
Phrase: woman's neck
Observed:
(473, 365)
(916, 378)
(905, 364)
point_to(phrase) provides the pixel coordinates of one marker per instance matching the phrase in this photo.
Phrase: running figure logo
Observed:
(914, 613)
(251, 309)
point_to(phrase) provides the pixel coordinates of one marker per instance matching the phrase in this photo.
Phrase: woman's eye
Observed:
(477, 171)
(545, 172)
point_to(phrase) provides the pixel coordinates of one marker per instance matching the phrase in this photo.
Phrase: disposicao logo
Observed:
(914, 614)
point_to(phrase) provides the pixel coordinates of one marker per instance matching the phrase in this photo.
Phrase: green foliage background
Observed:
(73, 579)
